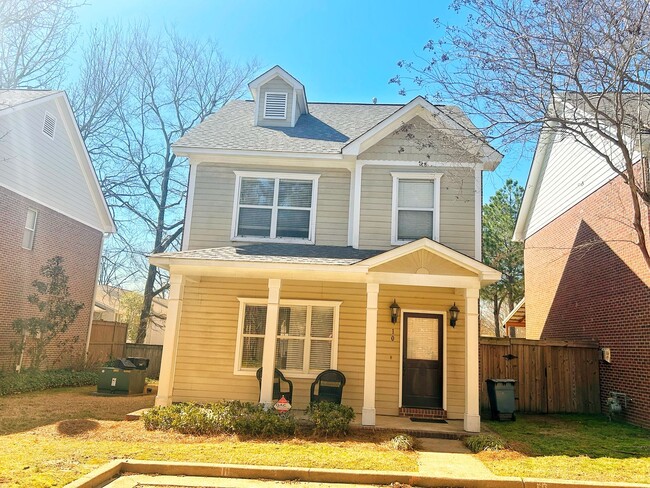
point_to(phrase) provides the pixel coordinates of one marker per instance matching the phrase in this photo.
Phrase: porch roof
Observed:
(277, 253)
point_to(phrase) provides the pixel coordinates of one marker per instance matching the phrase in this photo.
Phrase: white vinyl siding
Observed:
(416, 207)
(49, 125)
(272, 206)
(306, 338)
(30, 229)
(47, 171)
(275, 105)
(572, 173)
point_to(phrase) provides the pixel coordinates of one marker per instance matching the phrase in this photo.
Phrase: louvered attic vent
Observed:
(49, 124)
(275, 106)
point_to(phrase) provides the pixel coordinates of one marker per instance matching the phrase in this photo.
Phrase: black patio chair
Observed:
(281, 385)
(328, 387)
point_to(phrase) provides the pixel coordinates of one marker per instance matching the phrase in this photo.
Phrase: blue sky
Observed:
(342, 51)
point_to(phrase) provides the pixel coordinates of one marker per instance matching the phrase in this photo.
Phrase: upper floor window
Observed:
(275, 105)
(416, 207)
(30, 229)
(275, 206)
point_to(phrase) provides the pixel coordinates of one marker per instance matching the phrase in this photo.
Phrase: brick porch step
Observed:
(423, 413)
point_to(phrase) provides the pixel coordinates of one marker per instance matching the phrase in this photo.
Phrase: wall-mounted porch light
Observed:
(453, 315)
(394, 314)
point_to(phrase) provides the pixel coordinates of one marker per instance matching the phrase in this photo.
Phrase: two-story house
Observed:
(51, 205)
(305, 222)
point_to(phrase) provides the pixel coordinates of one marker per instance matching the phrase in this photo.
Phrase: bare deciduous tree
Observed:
(138, 92)
(36, 37)
(576, 68)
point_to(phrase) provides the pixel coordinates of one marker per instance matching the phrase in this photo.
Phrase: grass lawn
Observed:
(578, 447)
(51, 438)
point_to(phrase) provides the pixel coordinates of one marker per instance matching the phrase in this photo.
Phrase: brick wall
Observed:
(587, 280)
(56, 234)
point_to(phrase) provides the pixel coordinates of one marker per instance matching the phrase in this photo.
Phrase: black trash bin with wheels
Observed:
(501, 393)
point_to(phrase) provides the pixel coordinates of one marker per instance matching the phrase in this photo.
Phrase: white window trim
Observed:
(32, 230)
(238, 371)
(277, 176)
(286, 102)
(397, 176)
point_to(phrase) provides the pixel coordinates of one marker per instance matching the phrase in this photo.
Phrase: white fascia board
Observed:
(489, 156)
(441, 250)
(85, 163)
(254, 85)
(540, 159)
(30, 103)
(186, 152)
(514, 310)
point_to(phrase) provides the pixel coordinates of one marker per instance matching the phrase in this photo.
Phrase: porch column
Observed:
(170, 340)
(370, 369)
(472, 418)
(270, 334)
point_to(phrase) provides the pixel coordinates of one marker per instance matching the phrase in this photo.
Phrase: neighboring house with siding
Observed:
(50, 205)
(585, 278)
(304, 222)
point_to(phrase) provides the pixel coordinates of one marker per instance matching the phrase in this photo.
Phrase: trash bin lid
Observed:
(500, 380)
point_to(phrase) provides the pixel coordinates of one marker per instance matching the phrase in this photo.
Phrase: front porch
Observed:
(226, 318)
(450, 429)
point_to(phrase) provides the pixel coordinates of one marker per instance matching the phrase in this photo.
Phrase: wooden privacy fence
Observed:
(149, 351)
(551, 376)
(107, 340)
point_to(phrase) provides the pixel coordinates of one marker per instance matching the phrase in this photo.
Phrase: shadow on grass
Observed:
(72, 428)
(593, 436)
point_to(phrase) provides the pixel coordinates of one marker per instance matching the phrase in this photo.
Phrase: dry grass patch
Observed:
(54, 448)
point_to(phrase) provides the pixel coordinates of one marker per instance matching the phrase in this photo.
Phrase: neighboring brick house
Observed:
(585, 277)
(305, 222)
(50, 205)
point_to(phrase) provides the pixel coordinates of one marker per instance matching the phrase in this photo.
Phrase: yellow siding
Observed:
(208, 330)
(423, 262)
(214, 195)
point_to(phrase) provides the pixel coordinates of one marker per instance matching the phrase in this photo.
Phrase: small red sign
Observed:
(283, 405)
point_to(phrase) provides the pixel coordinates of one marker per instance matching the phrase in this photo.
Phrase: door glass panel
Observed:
(422, 340)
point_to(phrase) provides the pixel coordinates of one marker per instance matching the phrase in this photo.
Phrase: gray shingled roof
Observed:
(326, 129)
(278, 253)
(11, 98)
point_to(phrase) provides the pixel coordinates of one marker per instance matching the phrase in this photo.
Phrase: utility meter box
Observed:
(118, 381)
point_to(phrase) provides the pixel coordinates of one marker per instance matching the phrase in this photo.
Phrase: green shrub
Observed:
(402, 442)
(220, 418)
(484, 442)
(27, 381)
(330, 418)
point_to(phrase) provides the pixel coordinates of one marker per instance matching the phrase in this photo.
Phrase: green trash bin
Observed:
(121, 378)
(501, 393)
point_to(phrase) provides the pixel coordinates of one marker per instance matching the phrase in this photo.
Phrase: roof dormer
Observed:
(280, 99)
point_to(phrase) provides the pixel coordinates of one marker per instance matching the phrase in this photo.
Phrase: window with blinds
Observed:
(275, 207)
(275, 105)
(305, 339)
(415, 207)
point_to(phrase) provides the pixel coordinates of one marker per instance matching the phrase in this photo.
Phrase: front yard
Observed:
(51, 438)
(577, 447)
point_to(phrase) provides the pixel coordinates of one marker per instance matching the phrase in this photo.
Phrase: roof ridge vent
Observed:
(49, 125)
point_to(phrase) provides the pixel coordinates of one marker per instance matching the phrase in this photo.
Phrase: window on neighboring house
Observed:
(275, 105)
(30, 229)
(270, 206)
(306, 337)
(416, 207)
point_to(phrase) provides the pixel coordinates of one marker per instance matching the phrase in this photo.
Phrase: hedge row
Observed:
(11, 383)
(234, 417)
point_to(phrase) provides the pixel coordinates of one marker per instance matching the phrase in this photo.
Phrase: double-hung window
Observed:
(306, 336)
(275, 206)
(30, 229)
(416, 207)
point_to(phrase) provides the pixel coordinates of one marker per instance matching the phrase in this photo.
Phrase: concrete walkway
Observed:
(446, 458)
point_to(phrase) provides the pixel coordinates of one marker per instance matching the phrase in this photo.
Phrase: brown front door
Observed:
(422, 364)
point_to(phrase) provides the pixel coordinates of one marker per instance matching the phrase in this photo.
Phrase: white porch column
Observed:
(270, 334)
(170, 340)
(472, 418)
(370, 370)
